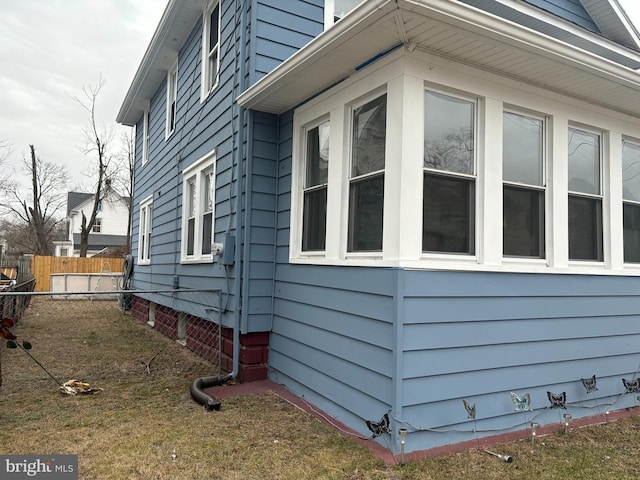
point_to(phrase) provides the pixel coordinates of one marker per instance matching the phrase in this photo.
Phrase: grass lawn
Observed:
(144, 425)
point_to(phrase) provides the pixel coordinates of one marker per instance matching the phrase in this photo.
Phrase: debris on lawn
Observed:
(73, 387)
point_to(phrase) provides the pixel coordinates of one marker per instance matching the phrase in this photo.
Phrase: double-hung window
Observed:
(448, 216)
(631, 200)
(198, 210)
(523, 185)
(144, 239)
(145, 136)
(314, 222)
(366, 181)
(210, 48)
(585, 195)
(172, 98)
(97, 225)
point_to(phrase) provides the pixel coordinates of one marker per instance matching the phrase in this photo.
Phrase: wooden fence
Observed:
(42, 267)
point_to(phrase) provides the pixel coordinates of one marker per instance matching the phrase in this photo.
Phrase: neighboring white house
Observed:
(108, 232)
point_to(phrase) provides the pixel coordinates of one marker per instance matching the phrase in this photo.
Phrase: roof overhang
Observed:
(176, 24)
(598, 71)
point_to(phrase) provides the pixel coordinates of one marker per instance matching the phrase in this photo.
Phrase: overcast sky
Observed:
(50, 49)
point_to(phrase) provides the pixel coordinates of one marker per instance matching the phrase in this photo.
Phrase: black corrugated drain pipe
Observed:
(199, 395)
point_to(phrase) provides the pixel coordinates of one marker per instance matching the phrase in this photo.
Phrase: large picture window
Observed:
(585, 195)
(314, 223)
(210, 48)
(631, 200)
(366, 184)
(448, 219)
(524, 186)
(144, 238)
(198, 210)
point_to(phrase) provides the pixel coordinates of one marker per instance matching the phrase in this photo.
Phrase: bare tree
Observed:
(46, 199)
(123, 181)
(5, 151)
(97, 142)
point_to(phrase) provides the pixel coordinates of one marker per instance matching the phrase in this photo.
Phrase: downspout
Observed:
(199, 384)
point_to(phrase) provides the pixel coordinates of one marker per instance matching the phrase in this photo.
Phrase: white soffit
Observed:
(455, 31)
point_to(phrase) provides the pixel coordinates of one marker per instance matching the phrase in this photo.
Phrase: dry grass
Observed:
(131, 429)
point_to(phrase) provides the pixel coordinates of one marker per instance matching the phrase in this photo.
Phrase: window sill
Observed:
(470, 264)
(187, 261)
(144, 262)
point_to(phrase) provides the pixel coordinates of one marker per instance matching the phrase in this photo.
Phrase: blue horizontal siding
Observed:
(279, 29)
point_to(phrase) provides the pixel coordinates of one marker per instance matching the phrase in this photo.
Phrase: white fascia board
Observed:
(178, 17)
(457, 14)
(368, 12)
(570, 27)
(623, 19)
(525, 39)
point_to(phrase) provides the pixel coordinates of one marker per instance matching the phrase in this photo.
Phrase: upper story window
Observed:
(172, 99)
(210, 48)
(144, 239)
(145, 136)
(631, 200)
(585, 195)
(314, 224)
(366, 183)
(448, 217)
(334, 10)
(198, 210)
(523, 204)
(97, 226)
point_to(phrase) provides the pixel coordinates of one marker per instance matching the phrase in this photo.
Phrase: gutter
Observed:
(197, 393)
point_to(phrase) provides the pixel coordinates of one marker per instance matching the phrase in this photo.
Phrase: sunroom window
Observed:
(448, 218)
(524, 186)
(366, 184)
(314, 223)
(631, 200)
(585, 196)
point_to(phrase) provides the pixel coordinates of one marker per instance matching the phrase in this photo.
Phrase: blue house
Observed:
(427, 212)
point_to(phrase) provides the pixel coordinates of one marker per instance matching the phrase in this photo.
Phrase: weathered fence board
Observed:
(43, 267)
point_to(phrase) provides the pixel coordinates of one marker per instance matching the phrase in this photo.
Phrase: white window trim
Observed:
(329, 13)
(145, 136)
(548, 214)
(205, 91)
(606, 250)
(196, 172)
(145, 230)
(172, 96)
(405, 76)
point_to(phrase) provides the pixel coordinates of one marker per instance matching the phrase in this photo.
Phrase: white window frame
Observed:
(209, 84)
(172, 100)
(540, 188)
(145, 136)
(473, 177)
(97, 225)
(195, 174)
(405, 77)
(145, 229)
(634, 203)
(600, 196)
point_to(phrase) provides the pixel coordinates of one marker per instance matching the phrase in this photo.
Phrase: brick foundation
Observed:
(202, 340)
